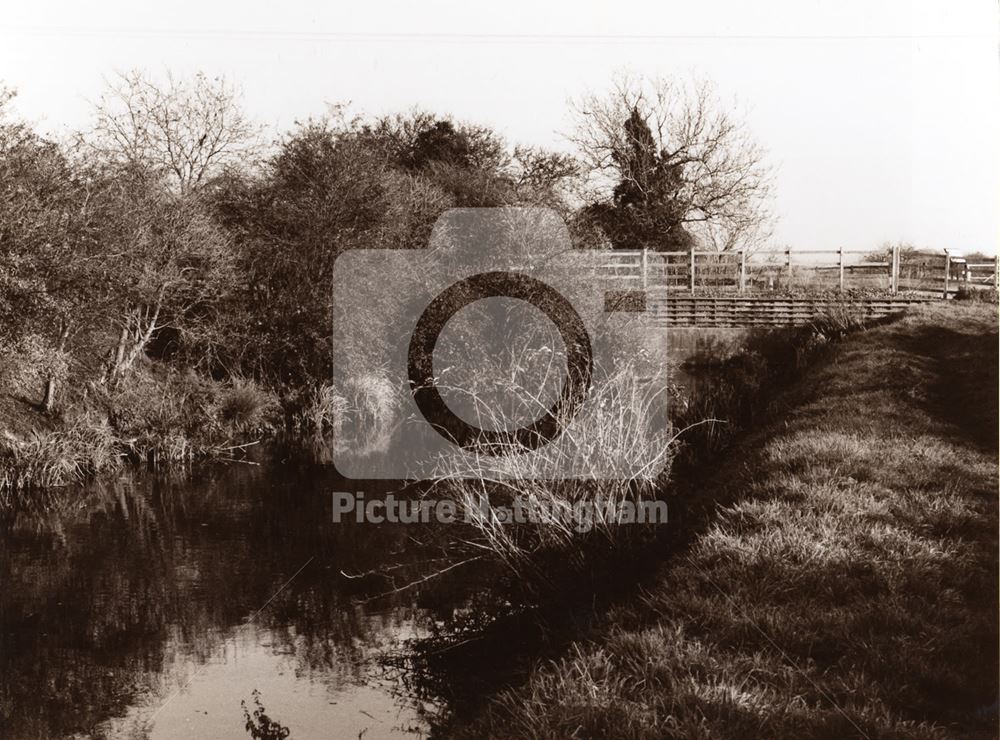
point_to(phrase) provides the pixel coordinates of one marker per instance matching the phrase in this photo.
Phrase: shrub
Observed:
(181, 415)
(977, 295)
(26, 365)
(247, 407)
(160, 412)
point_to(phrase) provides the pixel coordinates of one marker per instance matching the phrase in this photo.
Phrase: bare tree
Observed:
(183, 130)
(663, 155)
(172, 263)
(153, 148)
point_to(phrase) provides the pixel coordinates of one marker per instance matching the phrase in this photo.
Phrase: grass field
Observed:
(842, 580)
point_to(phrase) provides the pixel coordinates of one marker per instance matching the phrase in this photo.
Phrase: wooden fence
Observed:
(763, 271)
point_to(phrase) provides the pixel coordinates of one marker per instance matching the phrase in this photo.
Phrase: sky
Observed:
(882, 120)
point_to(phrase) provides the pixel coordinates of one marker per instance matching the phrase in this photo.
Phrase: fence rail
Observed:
(764, 271)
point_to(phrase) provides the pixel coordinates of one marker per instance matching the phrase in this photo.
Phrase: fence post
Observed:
(996, 272)
(743, 270)
(645, 267)
(692, 271)
(840, 262)
(788, 253)
(894, 270)
(947, 273)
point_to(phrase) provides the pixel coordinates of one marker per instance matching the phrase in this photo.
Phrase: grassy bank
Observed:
(156, 414)
(845, 582)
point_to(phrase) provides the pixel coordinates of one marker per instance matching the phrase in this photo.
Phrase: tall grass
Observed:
(153, 415)
(615, 452)
(50, 459)
(360, 413)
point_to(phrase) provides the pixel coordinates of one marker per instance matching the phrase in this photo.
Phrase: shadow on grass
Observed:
(966, 395)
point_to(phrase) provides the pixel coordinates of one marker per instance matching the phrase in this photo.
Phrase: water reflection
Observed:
(203, 699)
(152, 606)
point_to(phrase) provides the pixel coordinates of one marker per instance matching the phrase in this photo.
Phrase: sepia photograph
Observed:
(524, 370)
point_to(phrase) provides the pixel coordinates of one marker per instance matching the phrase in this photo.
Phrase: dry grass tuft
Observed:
(623, 419)
(361, 415)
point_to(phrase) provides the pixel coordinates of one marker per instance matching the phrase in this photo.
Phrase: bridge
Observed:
(784, 287)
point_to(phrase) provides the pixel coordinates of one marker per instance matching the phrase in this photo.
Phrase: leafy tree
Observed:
(335, 184)
(645, 207)
(544, 178)
(470, 163)
(160, 235)
(100, 257)
(52, 278)
(323, 191)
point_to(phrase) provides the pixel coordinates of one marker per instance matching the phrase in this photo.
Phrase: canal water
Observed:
(159, 605)
(154, 606)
